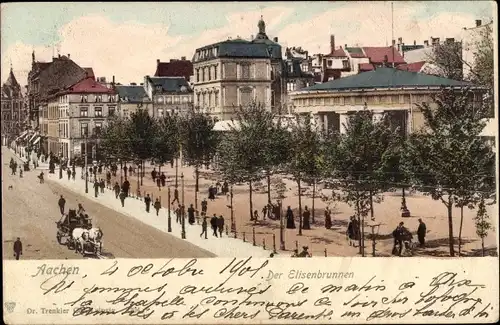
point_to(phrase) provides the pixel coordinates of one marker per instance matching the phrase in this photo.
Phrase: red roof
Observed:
(377, 54)
(338, 53)
(174, 68)
(366, 67)
(88, 85)
(412, 67)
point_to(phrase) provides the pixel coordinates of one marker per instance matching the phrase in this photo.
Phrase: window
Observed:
(169, 100)
(245, 96)
(198, 75)
(160, 112)
(158, 88)
(216, 99)
(98, 128)
(345, 64)
(111, 111)
(203, 75)
(84, 112)
(215, 72)
(329, 62)
(98, 98)
(177, 99)
(111, 98)
(209, 99)
(98, 111)
(198, 99)
(84, 129)
(209, 73)
(245, 71)
(83, 98)
(185, 99)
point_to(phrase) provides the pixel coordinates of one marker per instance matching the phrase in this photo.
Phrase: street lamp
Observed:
(183, 219)
(138, 175)
(121, 171)
(282, 230)
(86, 167)
(96, 190)
(176, 171)
(233, 225)
(168, 212)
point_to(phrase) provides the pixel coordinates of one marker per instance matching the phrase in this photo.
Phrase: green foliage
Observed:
(198, 139)
(481, 220)
(166, 141)
(447, 60)
(142, 130)
(305, 150)
(114, 140)
(482, 72)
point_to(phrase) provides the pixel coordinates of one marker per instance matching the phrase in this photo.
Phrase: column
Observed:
(325, 122)
(319, 121)
(377, 116)
(343, 119)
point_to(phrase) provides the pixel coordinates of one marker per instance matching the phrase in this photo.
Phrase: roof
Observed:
(387, 78)
(240, 48)
(412, 67)
(90, 72)
(88, 86)
(377, 54)
(134, 94)
(174, 68)
(60, 74)
(11, 87)
(355, 52)
(338, 53)
(366, 67)
(170, 84)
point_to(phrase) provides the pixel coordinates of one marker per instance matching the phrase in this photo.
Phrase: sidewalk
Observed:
(135, 208)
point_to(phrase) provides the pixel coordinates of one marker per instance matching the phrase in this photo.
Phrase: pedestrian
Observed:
(176, 196)
(204, 206)
(398, 239)
(20, 172)
(126, 187)
(290, 221)
(116, 188)
(80, 210)
(125, 169)
(225, 188)
(157, 206)
(73, 173)
(213, 223)
(211, 193)
(328, 218)
(96, 188)
(18, 248)
(147, 200)
(108, 178)
(41, 178)
(61, 203)
(163, 179)
(153, 174)
(69, 173)
(264, 212)
(220, 225)
(191, 218)
(204, 227)
(305, 219)
(255, 216)
(103, 185)
(158, 183)
(421, 231)
(122, 195)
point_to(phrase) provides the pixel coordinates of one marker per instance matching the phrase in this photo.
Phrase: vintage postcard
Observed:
(250, 162)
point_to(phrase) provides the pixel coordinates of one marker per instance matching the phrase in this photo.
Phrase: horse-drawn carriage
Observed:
(78, 234)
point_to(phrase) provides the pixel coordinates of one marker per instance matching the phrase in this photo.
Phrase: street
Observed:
(30, 210)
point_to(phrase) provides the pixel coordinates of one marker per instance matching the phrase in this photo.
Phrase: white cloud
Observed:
(129, 50)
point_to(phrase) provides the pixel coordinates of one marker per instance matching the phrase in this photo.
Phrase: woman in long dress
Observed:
(290, 222)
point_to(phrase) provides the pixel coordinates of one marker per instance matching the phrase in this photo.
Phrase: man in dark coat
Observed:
(122, 198)
(290, 222)
(73, 174)
(220, 225)
(204, 226)
(153, 174)
(61, 203)
(328, 218)
(102, 184)
(398, 239)
(108, 178)
(69, 173)
(305, 218)
(163, 179)
(176, 196)
(213, 223)
(125, 169)
(126, 187)
(191, 218)
(147, 200)
(157, 206)
(116, 188)
(422, 229)
(97, 185)
(158, 183)
(18, 248)
(204, 206)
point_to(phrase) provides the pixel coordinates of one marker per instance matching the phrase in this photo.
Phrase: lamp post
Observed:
(168, 212)
(121, 171)
(282, 230)
(86, 168)
(138, 176)
(183, 219)
(95, 179)
(176, 171)
(233, 225)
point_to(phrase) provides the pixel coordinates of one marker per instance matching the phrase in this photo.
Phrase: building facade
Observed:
(13, 110)
(170, 95)
(131, 98)
(235, 73)
(175, 68)
(383, 90)
(76, 116)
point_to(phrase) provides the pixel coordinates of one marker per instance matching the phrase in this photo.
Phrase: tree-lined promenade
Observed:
(446, 160)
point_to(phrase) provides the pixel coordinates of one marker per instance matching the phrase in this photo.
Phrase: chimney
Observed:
(332, 43)
(478, 22)
(69, 55)
(394, 42)
(345, 45)
(133, 84)
(172, 60)
(59, 56)
(157, 61)
(275, 40)
(113, 80)
(400, 40)
(450, 40)
(426, 43)
(183, 58)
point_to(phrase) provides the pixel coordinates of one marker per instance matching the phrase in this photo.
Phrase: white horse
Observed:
(95, 236)
(79, 237)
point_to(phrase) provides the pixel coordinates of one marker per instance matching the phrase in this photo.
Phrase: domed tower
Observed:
(262, 29)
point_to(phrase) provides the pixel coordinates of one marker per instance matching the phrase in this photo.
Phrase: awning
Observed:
(33, 137)
(37, 140)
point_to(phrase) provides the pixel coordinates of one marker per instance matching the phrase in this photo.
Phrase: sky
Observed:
(125, 39)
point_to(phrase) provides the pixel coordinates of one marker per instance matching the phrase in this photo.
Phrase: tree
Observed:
(115, 141)
(446, 60)
(199, 142)
(166, 140)
(142, 130)
(304, 150)
(482, 223)
(448, 159)
(361, 161)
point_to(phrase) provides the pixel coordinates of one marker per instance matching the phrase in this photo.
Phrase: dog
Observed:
(11, 187)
